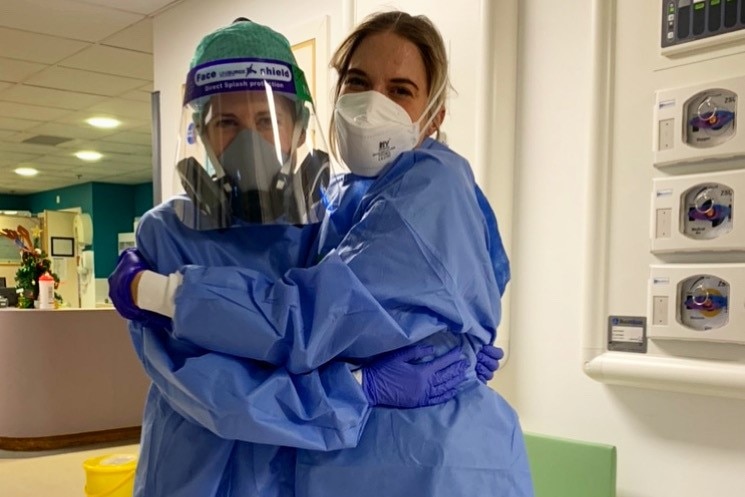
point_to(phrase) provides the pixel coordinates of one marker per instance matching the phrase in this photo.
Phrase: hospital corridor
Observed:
(353, 248)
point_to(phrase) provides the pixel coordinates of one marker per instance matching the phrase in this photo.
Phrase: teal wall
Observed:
(13, 203)
(69, 197)
(143, 198)
(112, 208)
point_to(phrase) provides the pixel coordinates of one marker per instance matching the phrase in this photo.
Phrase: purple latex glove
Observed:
(487, 362)
(130, 263)
(396, 380)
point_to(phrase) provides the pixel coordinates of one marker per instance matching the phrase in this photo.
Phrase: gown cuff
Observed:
(157, 293)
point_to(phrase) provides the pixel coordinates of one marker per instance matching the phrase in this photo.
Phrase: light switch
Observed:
(666, 134)
(663, 223)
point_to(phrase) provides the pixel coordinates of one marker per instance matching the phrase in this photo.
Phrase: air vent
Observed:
(47, 140)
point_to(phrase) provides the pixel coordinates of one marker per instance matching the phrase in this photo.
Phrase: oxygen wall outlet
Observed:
(696, 302)
(699, 123)
(697, 213)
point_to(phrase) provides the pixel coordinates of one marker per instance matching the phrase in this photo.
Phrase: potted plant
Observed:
(34, 263)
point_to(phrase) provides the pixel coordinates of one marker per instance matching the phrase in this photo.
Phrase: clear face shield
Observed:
(251, 149)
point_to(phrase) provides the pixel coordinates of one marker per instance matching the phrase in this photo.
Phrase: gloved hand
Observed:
(129, 264)
(395, 381)
(487, 362)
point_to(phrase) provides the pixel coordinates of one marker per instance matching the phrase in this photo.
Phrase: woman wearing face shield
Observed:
(408, 253)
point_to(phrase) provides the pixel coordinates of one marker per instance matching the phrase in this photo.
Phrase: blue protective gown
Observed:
(220, 425)
(411, 256)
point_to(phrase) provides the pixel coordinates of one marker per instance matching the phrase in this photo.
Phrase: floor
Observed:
(50, 474)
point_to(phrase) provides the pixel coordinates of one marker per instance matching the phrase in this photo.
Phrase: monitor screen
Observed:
(10, 294)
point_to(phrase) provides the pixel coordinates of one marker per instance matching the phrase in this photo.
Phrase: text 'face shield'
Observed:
(251, 149)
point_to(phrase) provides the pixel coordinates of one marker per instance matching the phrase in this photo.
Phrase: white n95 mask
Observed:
(373, 130)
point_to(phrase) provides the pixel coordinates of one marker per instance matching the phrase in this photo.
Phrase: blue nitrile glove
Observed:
(395, 380)
(487, 361)
(130, 263)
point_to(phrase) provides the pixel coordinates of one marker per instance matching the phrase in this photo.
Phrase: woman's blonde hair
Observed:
(420, 31)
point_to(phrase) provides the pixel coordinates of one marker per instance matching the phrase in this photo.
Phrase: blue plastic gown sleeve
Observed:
(241, 399)
(236, 398)
(415, 263)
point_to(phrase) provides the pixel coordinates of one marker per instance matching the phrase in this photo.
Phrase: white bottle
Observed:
(46, 291)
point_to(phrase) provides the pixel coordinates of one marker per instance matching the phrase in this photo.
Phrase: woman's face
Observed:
(391, 65)
(230, 113)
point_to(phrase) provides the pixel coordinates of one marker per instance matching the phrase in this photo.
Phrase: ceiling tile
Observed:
(49, 97)
(101, 57)
(26, 148)
(67, 131)
(63, 78)
(138, 37)
(68, 159)
(138, 95)
(130, 137)
(13, 124)
(137, 6)
(111, 60)
(78, 118)
(66, 18)
(16, 71)
(109, 147)
(35, 47)
(124, 108)
(25, 111)
(12, 158)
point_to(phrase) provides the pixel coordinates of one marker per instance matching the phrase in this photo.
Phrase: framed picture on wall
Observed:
(62, 246)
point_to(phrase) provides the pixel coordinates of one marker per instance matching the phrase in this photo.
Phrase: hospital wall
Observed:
(668, 443)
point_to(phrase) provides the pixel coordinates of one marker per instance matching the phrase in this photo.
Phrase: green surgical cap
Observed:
(248, 39)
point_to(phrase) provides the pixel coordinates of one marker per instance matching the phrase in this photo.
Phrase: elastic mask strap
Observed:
(430, 105)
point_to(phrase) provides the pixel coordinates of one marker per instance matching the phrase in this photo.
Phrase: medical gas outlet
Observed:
(697, 213)
(699, 123)
(697, 302)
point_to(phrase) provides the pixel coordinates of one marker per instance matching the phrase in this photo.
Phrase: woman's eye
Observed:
(355, 82)
(401, 91)
(264, 123)
(224, 122)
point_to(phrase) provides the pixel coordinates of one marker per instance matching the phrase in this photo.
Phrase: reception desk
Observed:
(68, 378)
